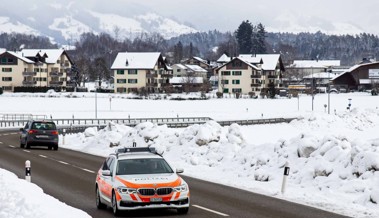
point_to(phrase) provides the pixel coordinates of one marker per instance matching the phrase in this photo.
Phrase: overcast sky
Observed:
(332, 16)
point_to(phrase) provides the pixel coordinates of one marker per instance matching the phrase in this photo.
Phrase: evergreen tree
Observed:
(260, 39)
(244, 35)
(178, 52)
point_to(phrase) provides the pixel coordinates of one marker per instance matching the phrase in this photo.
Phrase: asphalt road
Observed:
(70, 177)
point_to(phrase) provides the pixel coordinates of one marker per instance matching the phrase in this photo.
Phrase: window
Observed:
(6, 79)
(120, 72)
(3, 60)
(225, 73)
(132, 81)
(10, 60)
(7, 88)
(132, 71)
(236, 90)
(236, 81)
(7, 69)
(178, 70)
(121, 80)
(225, 81)
(121, 90)
(226, 91)
(236, 73)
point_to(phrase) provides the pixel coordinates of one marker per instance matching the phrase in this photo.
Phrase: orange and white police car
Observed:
(139, 178)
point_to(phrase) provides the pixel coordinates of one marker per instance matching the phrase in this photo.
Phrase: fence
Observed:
(78, 125)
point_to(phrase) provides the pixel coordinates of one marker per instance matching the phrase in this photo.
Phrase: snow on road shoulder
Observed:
(331, 166)
(20, 198)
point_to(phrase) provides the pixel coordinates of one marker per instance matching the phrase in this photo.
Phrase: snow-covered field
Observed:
(334, 158)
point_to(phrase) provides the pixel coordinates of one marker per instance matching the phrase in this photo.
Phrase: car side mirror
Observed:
(106, 173)
(179, 170)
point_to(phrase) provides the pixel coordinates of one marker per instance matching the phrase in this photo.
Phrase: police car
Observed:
(139, 178)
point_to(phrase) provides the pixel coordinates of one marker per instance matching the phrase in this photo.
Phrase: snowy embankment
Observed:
(334, 159)
(22, 199)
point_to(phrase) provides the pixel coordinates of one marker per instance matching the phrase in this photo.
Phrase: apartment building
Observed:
(136, 70)
(34, 67)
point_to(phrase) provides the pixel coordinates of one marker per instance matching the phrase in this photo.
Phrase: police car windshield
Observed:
(143, 166)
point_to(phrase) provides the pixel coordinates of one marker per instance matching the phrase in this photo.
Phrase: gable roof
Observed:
(224, 58)
(136, 60)
(249, 64)
(196, 68)
(27, 60)
(315, 63)
(354, 68)
(51, 55)
(251, 58)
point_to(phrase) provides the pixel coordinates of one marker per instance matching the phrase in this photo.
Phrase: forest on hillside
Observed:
(94, 54)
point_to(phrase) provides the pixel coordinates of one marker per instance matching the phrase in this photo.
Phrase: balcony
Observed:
(56, 83)
(55, 74)
(151, 75)
(26, 82)
(272, 76)
(255, 85)
(256, 76)
(167, 75)
(29, 73)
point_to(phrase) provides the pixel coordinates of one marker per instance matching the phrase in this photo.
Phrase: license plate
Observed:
(42, 136)
(155, 199)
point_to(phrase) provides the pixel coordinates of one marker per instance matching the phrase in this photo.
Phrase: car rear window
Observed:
(44, 125)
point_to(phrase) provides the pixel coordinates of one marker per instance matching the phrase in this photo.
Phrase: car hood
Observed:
(150, 180)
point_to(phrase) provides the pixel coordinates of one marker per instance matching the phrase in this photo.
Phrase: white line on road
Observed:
(5, 134)
(90, 171)
(11, 146)
(14, 133)
(1, 142)
(42, 156)
(26, 151)
(209, 210)
(62, 162)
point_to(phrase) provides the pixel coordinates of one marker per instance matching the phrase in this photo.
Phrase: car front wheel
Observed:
(115, 209)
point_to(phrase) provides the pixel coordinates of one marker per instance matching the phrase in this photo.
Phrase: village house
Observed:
(249, 73)
(136, 70)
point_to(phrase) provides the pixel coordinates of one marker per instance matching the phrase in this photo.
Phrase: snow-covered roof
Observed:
(2, 50)
(213, 78)
(315, 63)
(243, 60)
(224, 58)
(136, 60)
(354, 68)
(181, 66)
(179, 80)
(196, 68)
(52, 54)
(253, 59)
(322, 75)
(200, 59)
(270, 61)
(21, 57)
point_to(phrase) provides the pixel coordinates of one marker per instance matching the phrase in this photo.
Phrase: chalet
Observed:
(136, 70)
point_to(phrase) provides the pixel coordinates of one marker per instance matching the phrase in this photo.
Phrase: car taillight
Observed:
(32, 131)
(54, 132)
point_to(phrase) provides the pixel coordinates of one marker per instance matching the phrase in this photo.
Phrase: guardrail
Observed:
(79, 125)
(18, 117)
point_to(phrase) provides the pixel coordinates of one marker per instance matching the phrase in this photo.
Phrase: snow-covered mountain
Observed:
(65, 23)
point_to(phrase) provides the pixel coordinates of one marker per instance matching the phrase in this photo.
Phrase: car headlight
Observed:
(125, 190)
(181, 188)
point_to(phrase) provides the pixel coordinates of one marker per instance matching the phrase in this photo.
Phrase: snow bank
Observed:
(23, 199)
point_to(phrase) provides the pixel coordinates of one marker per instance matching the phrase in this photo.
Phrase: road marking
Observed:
(62, 162)
(1, 142)
(11, 146)
(5, 134)
(26, 151)
(42, 156)
(90, 171)
(209, 210)
(14, 133)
